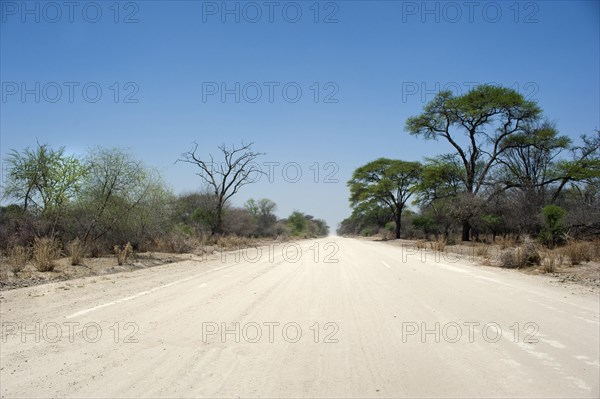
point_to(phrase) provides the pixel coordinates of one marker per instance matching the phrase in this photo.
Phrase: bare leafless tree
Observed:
(227, 177)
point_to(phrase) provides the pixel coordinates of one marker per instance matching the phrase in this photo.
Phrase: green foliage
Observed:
(297, 223)
(262, 212)
(553, 229)
(425, 223)
(43, 178)
(390, 226)
(385, 183)
(476, 125)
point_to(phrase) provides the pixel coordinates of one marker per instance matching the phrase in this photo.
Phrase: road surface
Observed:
(380, 322)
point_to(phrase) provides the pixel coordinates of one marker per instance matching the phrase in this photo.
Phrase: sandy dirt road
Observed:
(379, 322)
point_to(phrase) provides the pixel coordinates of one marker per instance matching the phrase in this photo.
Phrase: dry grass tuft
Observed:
(45, 252)
(551, 262)
(439, 245)
(233, 241)
(176, 242)
(506, 242)
(123, 254)
(18, 256)
(76, 252)
(421, 244)
(483, 251)
(579, 252)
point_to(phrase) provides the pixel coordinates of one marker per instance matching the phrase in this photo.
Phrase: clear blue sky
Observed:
(379, 61)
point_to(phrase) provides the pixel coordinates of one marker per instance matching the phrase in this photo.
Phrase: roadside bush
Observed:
(76, 252)
(578, 252)
(176, 242)
(509, 259)
(550, 263)
(18, 256)
(233, 241)
(530, 255)
(520, 257)
(123, 254)
(45, 252)
(552, 230)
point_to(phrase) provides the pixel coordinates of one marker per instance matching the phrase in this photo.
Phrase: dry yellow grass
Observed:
(18, 256)
(45, 252)
(76, 252)
(123, 254)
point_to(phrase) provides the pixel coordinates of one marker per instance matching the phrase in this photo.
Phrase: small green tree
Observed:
(492, 223)
(553, 229)
(297, 223)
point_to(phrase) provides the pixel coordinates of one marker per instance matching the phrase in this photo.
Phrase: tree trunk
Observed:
(466, 230)
(398, 223)
(218, 226)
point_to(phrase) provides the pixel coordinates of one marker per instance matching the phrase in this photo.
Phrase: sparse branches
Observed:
(226, 178)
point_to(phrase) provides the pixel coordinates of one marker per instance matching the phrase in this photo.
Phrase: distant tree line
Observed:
(108, 198)
(509, 172)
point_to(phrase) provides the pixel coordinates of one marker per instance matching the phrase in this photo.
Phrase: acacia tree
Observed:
(440, 192)
(477, 125)
(116, 184)
(43, 180)
(227, 177)
(387, 182)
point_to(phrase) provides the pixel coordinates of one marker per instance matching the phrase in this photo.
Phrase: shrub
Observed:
(45, 252)
(123, 254)
(76, 252)
(176, 242)
(530, 255)
(578, 252)
(509, 259)
(552, 231)
(520, 257)
(18, 256)
(550, 263)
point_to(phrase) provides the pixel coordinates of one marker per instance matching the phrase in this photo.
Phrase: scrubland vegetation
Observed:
(108, 203)
(510, 182)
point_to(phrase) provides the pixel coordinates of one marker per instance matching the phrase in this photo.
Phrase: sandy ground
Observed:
(335, 317)
(63, 270)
